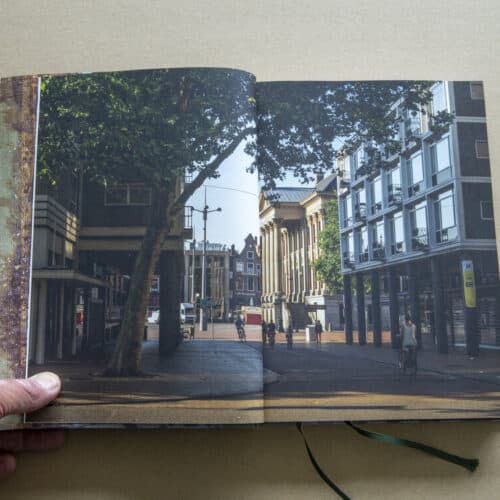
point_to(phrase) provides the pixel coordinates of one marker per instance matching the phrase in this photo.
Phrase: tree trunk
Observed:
(126, 358)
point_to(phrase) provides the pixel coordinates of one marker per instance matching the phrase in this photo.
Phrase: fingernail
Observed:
(49, 381)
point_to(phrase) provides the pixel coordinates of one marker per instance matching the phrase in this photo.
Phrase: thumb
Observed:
(25, 395)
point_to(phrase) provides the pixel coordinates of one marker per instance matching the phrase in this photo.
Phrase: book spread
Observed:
(189, 246)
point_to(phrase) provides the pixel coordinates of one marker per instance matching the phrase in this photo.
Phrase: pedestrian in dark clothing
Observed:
(289, 337)
(318, 329)
(271, 333)
(264, 331)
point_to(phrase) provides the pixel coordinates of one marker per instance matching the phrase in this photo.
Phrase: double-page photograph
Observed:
(191, 246)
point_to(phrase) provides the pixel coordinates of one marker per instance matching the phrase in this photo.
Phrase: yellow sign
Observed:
(469, 283)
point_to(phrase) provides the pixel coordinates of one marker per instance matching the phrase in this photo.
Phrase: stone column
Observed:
(360, 298)
(347, 309)
(377, 321)
(439, 313)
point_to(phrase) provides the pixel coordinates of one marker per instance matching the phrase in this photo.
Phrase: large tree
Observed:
(156, 126)
(328, 264)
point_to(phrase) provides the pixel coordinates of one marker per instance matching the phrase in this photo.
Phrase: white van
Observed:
(187, 313)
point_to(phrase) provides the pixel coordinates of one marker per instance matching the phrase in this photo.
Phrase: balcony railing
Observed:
(415, 189)
(348, 259)
(363, 257)
(379, 253)
(420, 240)
(398, 247)
(360, 212)
(447, 234)
(395, 196)
(376, 207)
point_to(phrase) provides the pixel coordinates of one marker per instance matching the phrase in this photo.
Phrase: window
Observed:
(415, 175)
(482, 149)
(250, 267)
(250, 255)
(239, 266)
(376, 195)
(445, 218)
(394, 186)
(258, 268)
(476, 91)
(439, 98)
(398, 234)
(360, 205)
(347, 168)
(127, 195)
(347, 211)
(359, 157)
(349, 249)
(378, 240)
(363, 244)
(155, 284)
(441, 161)
(418, 217)
(487, 210)
(250, 284)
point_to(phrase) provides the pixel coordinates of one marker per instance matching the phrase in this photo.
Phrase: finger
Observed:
(7, 465)
(25, 395)
(31, 440)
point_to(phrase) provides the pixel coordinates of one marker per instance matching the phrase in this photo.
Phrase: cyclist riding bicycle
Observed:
(239, 328)
(408, 343)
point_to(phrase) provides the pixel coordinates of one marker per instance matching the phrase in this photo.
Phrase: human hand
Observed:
(24, 396)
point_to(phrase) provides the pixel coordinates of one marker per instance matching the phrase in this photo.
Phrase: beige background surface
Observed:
(276, 40)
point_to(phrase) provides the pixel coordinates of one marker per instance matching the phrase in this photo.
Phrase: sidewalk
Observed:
(197, 369)
(486, 366)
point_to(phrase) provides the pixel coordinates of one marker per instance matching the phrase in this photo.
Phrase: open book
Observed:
(190, 247)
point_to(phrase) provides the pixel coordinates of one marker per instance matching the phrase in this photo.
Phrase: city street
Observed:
(217, 379)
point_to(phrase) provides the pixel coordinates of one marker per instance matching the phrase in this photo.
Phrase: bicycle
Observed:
(409, 360)
(241, 334)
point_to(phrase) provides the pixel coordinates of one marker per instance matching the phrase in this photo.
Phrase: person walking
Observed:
(289, 337)
(408, 339)
(271, 333)
(264, 331)
(318, 330)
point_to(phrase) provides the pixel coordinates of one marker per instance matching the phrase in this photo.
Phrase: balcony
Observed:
(360, 212)
(446, 235)
(420, 240)
(395, 195)
(363, 257)
(416, 189)
(379, 253)
(398, 248)
(348, 260)
(376, 207)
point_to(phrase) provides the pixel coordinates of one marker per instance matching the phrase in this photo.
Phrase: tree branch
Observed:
(209, 170)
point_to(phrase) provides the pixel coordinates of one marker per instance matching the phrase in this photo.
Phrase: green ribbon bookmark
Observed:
(320, 472)
(468, 463)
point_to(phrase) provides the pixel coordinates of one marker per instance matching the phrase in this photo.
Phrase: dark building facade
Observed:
(418, 225)
(245, 275)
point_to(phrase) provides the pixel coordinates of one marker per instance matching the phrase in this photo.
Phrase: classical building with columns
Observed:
(291, 219)
(418, 225)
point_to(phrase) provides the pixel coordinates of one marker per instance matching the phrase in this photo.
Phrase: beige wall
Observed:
(286, 39)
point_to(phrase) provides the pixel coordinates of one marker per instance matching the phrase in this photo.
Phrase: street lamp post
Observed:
(203, 305)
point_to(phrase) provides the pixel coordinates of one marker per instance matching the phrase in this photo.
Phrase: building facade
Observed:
(86, 238)
(217, 277)
(245, 275)
(417, 224)
(291, 220)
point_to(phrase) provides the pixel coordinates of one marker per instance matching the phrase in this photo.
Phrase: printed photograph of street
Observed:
(211, 250)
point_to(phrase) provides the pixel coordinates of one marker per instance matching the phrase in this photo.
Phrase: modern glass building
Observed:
(417, 227)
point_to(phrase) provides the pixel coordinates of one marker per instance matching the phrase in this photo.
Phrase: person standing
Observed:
(318, 330)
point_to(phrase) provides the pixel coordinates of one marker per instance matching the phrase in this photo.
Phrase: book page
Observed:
(145, 211)
(380, 270)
